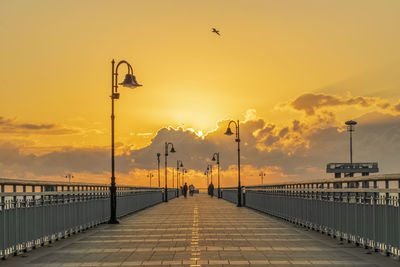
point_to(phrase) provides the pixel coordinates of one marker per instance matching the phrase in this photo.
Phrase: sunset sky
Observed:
(291, 71)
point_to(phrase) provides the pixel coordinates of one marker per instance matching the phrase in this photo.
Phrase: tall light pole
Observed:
(158, 161)
(150, 175)
(216, 158)
(166, 170)
(237, 139)
(129, 81)
(179, 164)
(262, 175)
(351, 128)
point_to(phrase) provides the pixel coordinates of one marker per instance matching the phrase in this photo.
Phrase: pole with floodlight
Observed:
(129, 81)
(237, 140)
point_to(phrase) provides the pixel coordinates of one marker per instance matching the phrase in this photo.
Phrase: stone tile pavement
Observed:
(199, 231)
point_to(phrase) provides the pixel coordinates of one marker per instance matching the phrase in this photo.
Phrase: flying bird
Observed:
(215, 31)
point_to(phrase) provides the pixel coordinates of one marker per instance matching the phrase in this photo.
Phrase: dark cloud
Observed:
(298, 149)
(10, 126)
(310, 103)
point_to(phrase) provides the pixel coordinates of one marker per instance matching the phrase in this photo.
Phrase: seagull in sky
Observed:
(215, 31)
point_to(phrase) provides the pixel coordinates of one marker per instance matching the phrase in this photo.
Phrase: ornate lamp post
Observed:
(216, 158)
(158, 161)
(262, 175)
(166, 170)
(179, 164)
(130, 81)
(237, 139)
(150, 175)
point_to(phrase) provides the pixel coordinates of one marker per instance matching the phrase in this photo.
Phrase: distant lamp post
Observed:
(206, 173)
(69, 176)
(150, 175)
(158, 161)
(129, 81)
(351, 128)
(179, 164)
(210, 168)
(216, 158)
(166, 170)
(262, 175)
(184, 170)
(237, 139)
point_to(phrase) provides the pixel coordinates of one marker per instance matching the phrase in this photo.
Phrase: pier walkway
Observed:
(199, 231)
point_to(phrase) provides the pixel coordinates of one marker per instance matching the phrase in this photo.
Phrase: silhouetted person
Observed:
(191, 190)
(211, 190)
(185, 189)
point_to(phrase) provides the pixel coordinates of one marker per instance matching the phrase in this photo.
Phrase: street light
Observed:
(166, 170)
(179, 164)
(237, 139)
(206, 173)
(184, 170)
(209, 168)
(262, 175)
(216, 158)
(69, 176)
(150, 175)
(158, 161)
(129, 81)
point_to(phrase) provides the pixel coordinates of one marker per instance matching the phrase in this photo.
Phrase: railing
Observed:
(362, 210)
(33, 213)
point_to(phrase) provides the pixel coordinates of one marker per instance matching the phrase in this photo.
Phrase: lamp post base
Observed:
(114, 221)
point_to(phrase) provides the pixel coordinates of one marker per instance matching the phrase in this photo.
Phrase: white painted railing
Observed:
(361, 210)
(33, 213)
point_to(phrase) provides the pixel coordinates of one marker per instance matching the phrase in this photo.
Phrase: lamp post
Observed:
(209, 168)
(216, 158)
(206, 173)
(184, 170)
(69, 176)
(158, 161)
(179, 164)
(150, 175)
(166, 170)
(237, 139)
(129, 81)
(262, 175)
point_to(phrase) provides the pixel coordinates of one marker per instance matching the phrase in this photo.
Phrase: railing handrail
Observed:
(376, 177)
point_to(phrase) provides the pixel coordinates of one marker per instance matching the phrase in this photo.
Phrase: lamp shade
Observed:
(228, 131)
(130, 81)
(173, 150)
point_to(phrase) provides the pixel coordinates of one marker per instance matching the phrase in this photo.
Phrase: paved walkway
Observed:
(199, 231)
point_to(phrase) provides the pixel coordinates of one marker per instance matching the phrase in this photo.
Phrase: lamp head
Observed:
(181, 165)
(158, 154)
(172, 150)
(130, 81)
(213, 159)
(228, 131)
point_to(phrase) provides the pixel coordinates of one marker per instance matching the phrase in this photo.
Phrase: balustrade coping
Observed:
(371, 178)
(8, 181)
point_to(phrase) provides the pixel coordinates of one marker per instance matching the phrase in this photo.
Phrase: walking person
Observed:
(185, 189)
(211, 190)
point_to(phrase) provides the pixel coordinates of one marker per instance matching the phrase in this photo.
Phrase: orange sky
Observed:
(55, 74)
